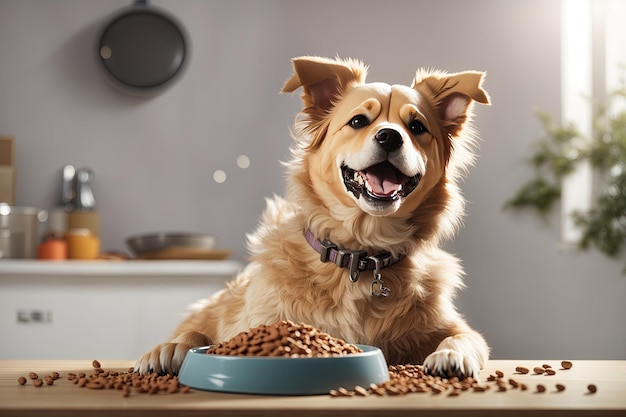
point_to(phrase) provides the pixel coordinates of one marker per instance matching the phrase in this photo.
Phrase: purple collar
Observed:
(354, 260)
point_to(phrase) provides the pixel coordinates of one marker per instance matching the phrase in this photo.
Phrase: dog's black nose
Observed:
(389, 139)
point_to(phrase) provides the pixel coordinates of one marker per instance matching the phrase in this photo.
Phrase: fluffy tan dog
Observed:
(353, 247)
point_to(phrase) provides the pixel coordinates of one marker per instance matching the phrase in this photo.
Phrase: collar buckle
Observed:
(354, 262)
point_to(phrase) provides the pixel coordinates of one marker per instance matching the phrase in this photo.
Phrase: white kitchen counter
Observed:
(31, 267)
(99, 309)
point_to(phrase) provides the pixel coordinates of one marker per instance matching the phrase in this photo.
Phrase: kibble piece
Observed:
(546, 366)
(55, 375)
(550, 371)
(96, 364)
(33, 375)
(522, 370)
(500, 374)
(592, 388)
(541, 388)
(37, 382)
(538, 370)
(21, 380)
(345, 392)
(566, 365)
(560, 387)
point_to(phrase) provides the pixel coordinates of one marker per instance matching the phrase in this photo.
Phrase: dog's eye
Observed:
(358, 122)
(417, 127)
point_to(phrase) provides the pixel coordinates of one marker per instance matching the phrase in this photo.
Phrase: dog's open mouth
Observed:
(382, 181)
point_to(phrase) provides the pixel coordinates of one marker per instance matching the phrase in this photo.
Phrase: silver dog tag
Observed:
(378, 287)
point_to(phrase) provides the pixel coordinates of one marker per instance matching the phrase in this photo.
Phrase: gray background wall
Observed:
(154, 158)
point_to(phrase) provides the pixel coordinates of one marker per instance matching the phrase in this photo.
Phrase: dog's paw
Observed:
(448, 363)
(167, 358)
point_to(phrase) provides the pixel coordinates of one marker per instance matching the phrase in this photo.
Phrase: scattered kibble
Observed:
(291, 340)
(101, 379)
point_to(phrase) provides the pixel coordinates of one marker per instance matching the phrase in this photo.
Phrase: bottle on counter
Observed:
(74, 226)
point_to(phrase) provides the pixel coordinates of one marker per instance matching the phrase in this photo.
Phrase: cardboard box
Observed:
(7, 151)
(7, 185)
(7, 170)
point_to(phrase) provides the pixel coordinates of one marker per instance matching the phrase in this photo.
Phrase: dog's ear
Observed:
(323, 80)
(452, 94)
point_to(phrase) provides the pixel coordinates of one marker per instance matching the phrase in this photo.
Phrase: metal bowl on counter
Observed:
(175, 245)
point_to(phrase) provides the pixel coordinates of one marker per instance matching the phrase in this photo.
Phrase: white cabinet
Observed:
(98, 309)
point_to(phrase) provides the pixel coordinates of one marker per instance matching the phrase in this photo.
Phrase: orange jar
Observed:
(82, 244)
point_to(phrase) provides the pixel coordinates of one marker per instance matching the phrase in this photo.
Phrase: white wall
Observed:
(154, 158)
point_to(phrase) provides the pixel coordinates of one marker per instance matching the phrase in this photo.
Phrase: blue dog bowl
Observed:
(282, 376)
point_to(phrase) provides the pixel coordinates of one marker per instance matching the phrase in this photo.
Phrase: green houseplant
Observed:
(557, 153)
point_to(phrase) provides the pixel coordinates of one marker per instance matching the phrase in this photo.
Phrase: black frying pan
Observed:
(142, 49)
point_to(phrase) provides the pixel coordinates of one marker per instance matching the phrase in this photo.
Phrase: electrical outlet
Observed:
(34, 316)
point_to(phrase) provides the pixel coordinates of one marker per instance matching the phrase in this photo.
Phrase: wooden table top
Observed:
(66, 399)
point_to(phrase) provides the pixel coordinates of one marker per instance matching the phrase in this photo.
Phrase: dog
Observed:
(353, 248)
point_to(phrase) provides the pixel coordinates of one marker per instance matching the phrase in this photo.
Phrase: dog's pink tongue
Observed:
(383, 179)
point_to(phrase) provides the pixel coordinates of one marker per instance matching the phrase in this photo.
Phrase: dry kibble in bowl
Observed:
(285, 339)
